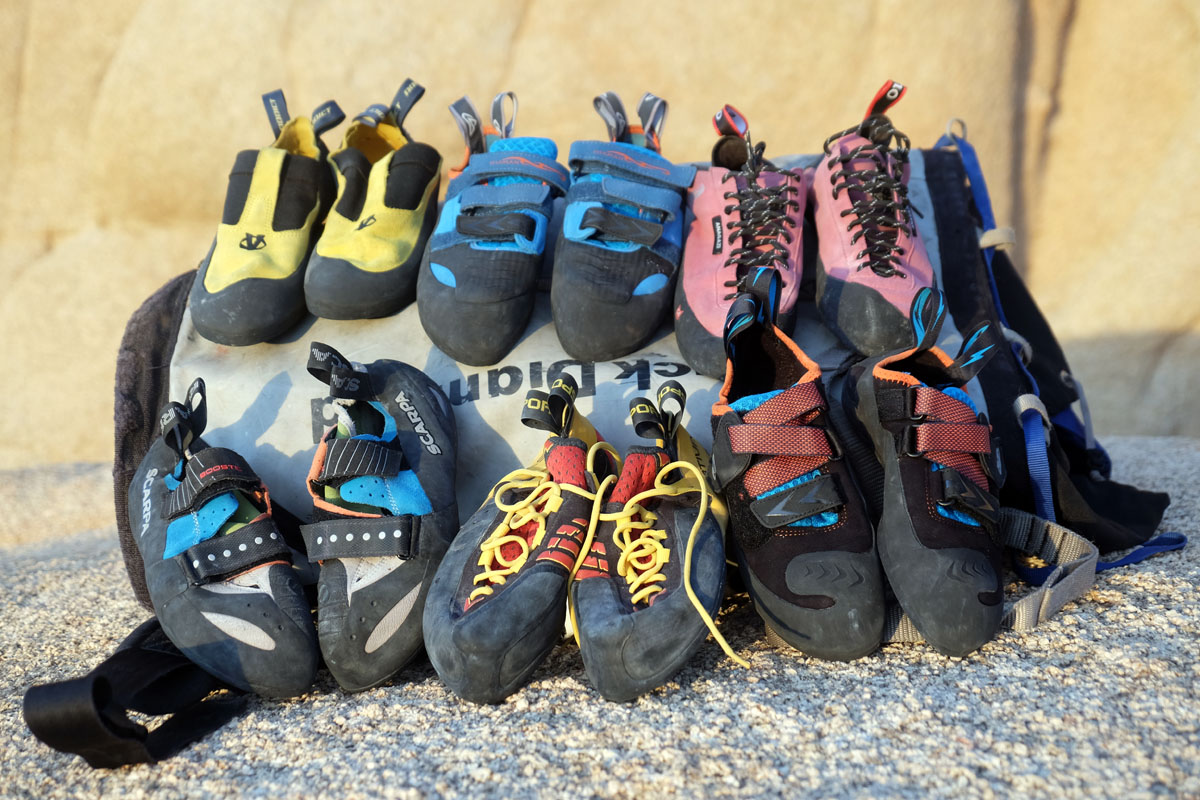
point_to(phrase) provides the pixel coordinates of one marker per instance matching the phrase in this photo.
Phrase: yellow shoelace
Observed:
(643, 553)
(547, 492)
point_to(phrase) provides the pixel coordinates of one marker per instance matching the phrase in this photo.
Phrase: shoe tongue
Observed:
(637, 473)
(526, 144)
(731, 152)
(566, 459)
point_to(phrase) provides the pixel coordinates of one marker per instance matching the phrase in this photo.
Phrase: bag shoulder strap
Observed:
(1072, 572)
(143, 382)
(88, 716)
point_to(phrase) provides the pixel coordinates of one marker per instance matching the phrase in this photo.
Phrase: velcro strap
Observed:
(496, 226)
(790, 404)
(798, 502)
(620, 158)
(954, 438)
(506, 163)
(911, 402)
(619, 226)
(895, 404)
(665, 201)
(208, 473)
(961, 492)
(780, 440)
(362, 537)
(514, 195)
(932, 403)
(220, 557)
(351, 458)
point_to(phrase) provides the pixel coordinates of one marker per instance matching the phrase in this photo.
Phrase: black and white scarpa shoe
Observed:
(384, 512)
(219, 572)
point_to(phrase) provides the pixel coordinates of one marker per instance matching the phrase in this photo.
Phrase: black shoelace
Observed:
(763, 229)
(880, 208)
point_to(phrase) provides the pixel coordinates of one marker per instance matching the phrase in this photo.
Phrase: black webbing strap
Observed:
(619, 226)
(87, 716)
(210, 472)
(352, 458)
(221, 557)
(363, 537)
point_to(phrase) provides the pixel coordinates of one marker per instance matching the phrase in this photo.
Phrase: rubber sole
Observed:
(938, 588)
(860, 316)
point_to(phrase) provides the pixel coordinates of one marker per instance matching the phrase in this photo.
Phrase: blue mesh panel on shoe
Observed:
(526, 144)
(401, 494)
(522, 144)
(752, 401)
(821, 520)
(960, 396)
(200, 525)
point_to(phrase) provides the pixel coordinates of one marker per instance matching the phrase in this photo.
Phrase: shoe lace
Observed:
(763, 227)
(543, 496)
(643, 552)
(879, 206)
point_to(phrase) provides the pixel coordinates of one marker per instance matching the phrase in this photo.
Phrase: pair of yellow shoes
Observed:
(338, 235)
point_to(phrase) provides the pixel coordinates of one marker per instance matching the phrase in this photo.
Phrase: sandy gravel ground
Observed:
(1101, 701)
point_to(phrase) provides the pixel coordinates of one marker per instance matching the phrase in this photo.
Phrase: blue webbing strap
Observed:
(983, 204)
(1038, 462)
(1037, 440)
(1163, 543)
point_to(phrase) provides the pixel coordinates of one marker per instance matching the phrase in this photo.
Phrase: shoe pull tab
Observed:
(671, 393)
(927, 314)
(647, 422)
(743, 311)
(652, 111)
(612, 111)
(327, 116)
(467, 118)
(660, 422)
(504, 125)
(888, 95)
(551, 411)
(766, 285)
(730, 122)
(277, 111)
(344, 380)
(180, 424)
(372, 115)
(978, 348)
(406, 97)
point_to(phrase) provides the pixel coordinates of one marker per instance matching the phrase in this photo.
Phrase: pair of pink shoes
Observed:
(748, 214)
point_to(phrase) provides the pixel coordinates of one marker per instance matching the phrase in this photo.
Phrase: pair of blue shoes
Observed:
(617, 252)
